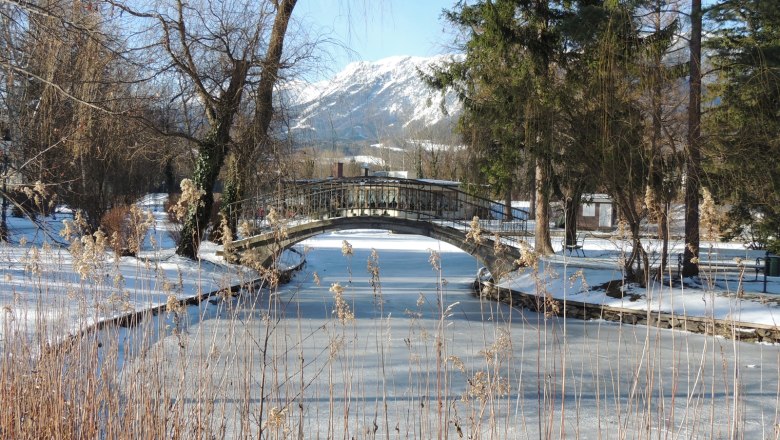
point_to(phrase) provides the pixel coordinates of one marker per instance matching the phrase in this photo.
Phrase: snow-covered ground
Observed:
(718, 293)
(41, 278)
(406, 349)
(38, 276)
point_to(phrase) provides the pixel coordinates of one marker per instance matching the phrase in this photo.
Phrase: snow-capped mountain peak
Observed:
(370, 100)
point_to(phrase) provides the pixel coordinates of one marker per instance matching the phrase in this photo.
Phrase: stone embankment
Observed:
(743, 331)
(134, 317)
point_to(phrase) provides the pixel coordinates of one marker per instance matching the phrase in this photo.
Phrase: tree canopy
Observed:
(743, 125)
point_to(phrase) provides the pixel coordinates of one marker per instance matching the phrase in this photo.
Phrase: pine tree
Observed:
(693, 159)
(743, 155)
(508, 82)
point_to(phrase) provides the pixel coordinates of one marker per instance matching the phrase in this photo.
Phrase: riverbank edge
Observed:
(741, 331)
(135, 317)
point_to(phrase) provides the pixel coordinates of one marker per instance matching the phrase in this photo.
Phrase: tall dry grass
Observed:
(321, 362)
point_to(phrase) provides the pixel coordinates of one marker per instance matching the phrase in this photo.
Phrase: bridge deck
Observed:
(405, 206)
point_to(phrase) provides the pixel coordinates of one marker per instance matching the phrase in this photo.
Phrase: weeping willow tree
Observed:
(661, 73)
(613, 123)
(67, 88)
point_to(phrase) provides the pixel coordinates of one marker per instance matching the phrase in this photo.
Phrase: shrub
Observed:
(170, 204)
(126, 226)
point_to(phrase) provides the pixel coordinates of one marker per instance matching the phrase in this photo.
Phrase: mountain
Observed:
(370, 101)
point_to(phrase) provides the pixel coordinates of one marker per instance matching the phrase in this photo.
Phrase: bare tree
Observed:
(65, 84)
(214, 51)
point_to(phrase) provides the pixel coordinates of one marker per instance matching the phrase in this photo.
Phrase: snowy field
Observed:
(387, 339)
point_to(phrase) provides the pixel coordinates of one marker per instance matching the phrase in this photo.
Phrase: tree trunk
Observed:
(663, 235)
(236, 181)
(508, 201)
(542, 244)
(271, 66)
(627, 205)
(532, 192)
(693, 166)
(571, 206)
(232, 191)
(644, 272)
(638, 256)
(170, 179)
(211, 155)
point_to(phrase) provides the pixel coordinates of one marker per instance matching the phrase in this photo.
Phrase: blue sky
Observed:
(377, 29)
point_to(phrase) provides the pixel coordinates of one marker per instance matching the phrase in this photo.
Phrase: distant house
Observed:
(596, 213)
(393, 174)
(520, 210)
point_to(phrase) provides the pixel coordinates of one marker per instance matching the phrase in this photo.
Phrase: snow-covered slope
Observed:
(371, 100)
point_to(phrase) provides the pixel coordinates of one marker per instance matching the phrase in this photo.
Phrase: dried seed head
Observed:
(551, 307)
(341, 308)
(498, 246)
(474, 234)
(189, 199)
(457, 363)
(710, 218)
(172, 304)
(245, 229)
(528, 257)
(434, 259)
(482, 387)
(372, 266)
(346, 249)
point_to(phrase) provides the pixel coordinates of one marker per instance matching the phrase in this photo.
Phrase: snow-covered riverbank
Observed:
(402, 346)
(380, 333)
(39, 277)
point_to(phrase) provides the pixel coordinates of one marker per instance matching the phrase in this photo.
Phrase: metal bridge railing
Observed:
(381, 197)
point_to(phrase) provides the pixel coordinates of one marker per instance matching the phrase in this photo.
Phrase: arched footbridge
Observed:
(270, 223)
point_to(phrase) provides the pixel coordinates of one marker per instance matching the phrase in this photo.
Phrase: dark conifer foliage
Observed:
(742, 154)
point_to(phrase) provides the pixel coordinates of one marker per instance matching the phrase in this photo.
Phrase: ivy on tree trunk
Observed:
(211, 155)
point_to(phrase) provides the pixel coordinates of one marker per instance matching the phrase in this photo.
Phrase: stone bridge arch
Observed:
(436, 209)
(269, 245)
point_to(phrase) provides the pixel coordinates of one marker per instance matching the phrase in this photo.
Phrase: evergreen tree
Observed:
(508, 81)
(743, 155)
(693, 159)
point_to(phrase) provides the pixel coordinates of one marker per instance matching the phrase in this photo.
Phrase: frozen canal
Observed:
(401, 348)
